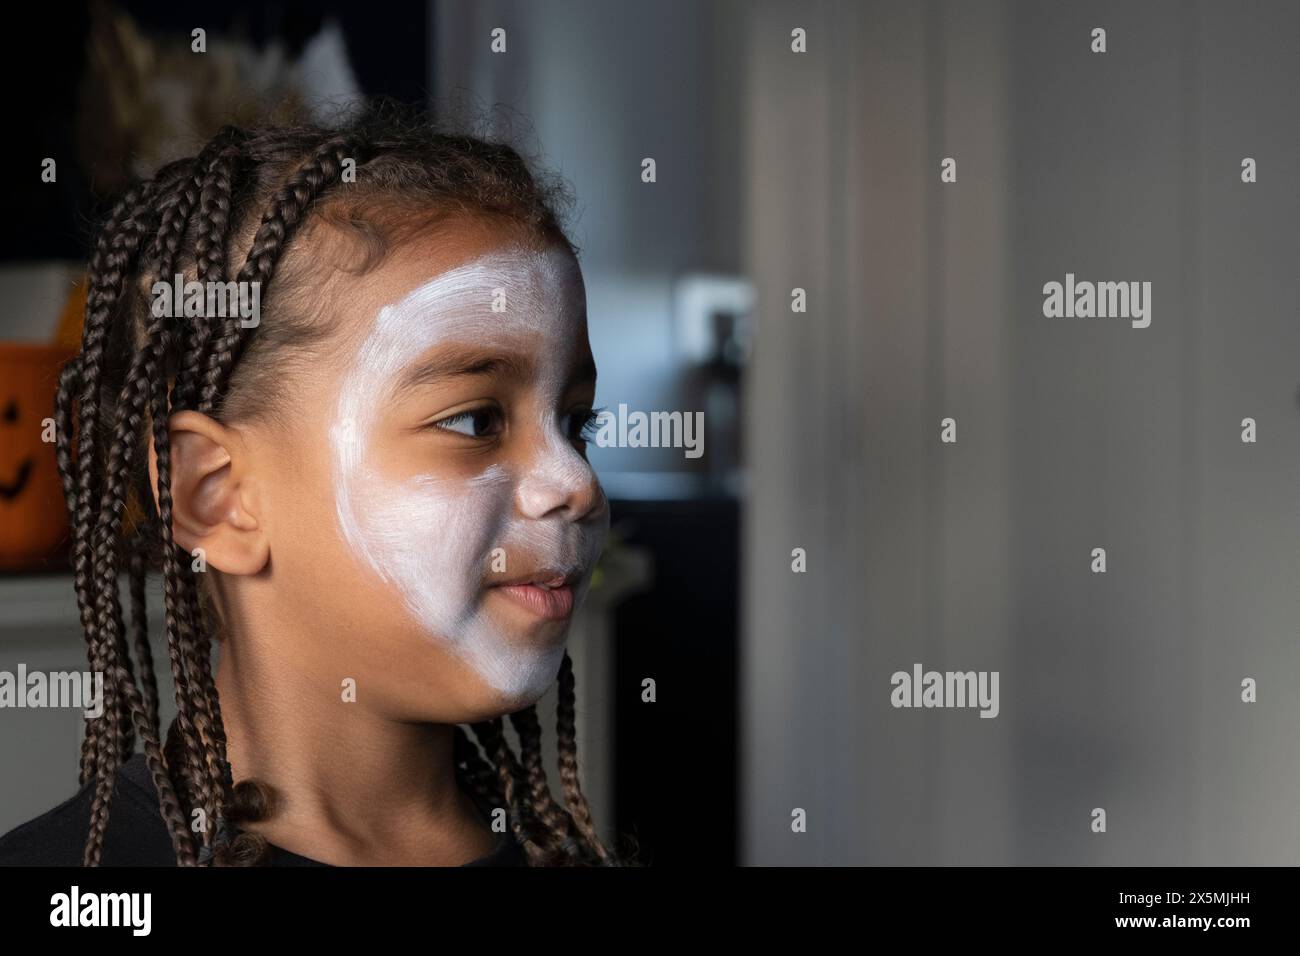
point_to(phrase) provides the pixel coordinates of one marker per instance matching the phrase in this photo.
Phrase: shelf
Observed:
(45, 601)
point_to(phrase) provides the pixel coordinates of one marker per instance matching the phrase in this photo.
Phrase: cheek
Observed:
(298, 482)
(296, 497)
(439, 527)
(432, 540)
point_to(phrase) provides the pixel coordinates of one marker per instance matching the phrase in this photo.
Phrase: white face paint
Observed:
(433, 538)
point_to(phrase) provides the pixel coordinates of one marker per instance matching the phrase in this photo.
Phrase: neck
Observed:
(351, 787)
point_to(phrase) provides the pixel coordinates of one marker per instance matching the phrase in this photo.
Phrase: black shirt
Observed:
(137, 835)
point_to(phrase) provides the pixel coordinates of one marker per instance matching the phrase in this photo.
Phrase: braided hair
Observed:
(254, 190)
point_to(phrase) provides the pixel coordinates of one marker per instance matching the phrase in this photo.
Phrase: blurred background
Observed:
(779, 170)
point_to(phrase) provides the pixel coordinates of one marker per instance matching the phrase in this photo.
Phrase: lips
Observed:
(547, 593)
(553, 604)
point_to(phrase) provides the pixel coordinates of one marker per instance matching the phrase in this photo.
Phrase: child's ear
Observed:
(212, 507)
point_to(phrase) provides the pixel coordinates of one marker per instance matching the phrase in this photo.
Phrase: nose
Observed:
(560, 483)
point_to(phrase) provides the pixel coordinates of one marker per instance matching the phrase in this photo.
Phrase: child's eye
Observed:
(579, 425)
(474, 423)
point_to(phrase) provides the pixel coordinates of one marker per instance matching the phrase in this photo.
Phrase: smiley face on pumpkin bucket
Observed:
(10, 490)
(33, 518)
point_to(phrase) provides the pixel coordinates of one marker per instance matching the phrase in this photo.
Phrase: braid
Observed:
(145, 385)
(491, 734)
(549, 834)
(140, 620)
(171, 810)
(277, 226)
(69, 382)
(543, 805)
(179, 625)
(112, 739)
(107, 270)
(215, 193)
(566, 741)
(116, 250)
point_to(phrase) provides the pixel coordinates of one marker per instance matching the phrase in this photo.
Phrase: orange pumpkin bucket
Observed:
(33, 518)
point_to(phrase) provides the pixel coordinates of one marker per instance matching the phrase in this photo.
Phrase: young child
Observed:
(345, 375)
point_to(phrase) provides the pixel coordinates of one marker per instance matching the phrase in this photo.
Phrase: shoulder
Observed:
(136, 834)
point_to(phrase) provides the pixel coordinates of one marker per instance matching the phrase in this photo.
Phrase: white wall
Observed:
(905, 325)
(1120, 690)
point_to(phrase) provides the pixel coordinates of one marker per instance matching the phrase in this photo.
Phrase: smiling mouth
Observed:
(11, 489)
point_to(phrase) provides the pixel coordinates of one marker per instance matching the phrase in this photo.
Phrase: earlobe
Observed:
(210, 485)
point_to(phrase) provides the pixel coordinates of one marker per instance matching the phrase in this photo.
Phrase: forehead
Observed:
(511, 300)
(506, 291)
(477, 290)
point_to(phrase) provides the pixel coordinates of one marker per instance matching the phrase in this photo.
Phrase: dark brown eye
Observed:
(475, 423)
(11, 412)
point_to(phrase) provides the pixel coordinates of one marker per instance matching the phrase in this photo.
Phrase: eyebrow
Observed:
(461, 363)
(456, 363)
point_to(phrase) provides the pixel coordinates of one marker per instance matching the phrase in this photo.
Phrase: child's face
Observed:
(435, 520)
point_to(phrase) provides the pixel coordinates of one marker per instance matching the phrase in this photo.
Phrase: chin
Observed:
(529, 689)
